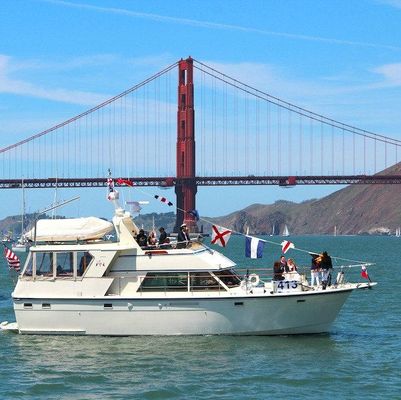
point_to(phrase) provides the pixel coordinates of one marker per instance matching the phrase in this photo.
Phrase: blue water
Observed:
(359, 359)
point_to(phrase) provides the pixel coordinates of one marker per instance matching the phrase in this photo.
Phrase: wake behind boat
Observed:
(74, 282)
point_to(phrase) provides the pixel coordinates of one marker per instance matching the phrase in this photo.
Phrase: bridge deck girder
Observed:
(204, 181)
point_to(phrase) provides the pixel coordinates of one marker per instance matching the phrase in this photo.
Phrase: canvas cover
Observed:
(61, 230)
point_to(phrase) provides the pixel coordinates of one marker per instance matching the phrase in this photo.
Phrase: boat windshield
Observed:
(229, 277)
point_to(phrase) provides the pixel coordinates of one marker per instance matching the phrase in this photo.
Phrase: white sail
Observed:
(286, 231)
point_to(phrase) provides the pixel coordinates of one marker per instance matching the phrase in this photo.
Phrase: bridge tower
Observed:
(185, 188)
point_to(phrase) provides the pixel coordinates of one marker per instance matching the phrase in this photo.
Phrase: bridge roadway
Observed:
(283, 181)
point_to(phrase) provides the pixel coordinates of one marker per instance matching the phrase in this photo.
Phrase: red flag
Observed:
(364, 272)
(127, 182)
(286, 245)
(12, 259)
(220, 235)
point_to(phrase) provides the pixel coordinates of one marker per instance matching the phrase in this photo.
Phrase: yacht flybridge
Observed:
(76, 283)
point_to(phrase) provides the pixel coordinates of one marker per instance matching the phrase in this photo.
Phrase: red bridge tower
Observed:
(185, 188)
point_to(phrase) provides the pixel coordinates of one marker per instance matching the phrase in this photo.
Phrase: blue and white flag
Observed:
(253, 247)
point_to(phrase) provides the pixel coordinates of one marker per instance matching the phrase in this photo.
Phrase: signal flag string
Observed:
(282, 245)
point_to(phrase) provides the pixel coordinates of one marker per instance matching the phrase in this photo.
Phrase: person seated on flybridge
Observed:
(141, 238)
(164, 241)
(183, 239)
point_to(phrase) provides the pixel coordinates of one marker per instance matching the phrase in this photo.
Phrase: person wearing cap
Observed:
(183, 237)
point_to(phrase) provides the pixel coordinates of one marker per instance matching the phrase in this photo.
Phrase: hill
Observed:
(356, 209)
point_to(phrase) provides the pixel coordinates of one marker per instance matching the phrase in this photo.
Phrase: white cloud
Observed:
(216, 25)
(20, 87)
(391, 73)
(393, 3)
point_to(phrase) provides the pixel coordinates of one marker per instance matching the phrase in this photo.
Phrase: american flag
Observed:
(12, 259)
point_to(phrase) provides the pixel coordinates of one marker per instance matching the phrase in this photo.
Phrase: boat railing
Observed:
(193, 244)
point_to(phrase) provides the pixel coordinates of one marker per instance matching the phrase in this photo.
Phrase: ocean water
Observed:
(360, 358)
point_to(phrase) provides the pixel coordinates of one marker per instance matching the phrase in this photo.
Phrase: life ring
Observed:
(254, 279)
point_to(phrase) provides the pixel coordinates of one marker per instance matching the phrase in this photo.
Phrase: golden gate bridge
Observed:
(244, 136)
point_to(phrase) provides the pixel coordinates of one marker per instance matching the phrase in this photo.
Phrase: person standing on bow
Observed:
(291, 265)
(183, 238)
(284, 264)
(315, 270)
(278, 271)
(326, 265)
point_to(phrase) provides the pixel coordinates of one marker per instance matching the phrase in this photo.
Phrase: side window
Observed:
(83, 260)
(44, 264)
(204, 281)
(65, 264)
(164, 281)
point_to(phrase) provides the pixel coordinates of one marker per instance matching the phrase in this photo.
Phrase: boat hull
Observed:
(278, 314)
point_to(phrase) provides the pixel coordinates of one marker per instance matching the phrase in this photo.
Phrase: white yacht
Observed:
(74, 282)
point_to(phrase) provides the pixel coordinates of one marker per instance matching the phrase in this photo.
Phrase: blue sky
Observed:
(58, 58)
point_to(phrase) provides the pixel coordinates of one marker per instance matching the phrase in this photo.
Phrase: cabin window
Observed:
(29, 266)
(44, 264)
(229, 277)
(84, 259)
(164, 281)
(65, 264)
(204, 281)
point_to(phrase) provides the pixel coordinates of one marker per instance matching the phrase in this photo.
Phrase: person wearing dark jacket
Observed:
(163, 236)
(141, 238)
(183, 237)
(278, 270)
(326, 265)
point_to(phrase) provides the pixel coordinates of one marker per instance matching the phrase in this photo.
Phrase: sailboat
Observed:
(285, 231)
(273, 230)
(398, 232)
(22, 244)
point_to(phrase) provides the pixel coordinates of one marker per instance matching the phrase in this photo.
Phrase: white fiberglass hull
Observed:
(309, 312)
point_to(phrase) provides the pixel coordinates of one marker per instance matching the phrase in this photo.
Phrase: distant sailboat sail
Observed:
(398, 232)
(285, 231)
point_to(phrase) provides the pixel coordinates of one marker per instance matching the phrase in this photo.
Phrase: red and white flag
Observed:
(286, 245)
(364, 272)
(128, 182)
(163, 200)
(12, 259)
(220, 235)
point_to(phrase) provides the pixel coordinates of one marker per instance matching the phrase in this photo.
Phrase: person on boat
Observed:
(278, 270)
(326, 265)
(315, 270)
(152, 238)
(291, 265)
(183, 237)
(283, 262)
(141, 238)
(162, 236)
